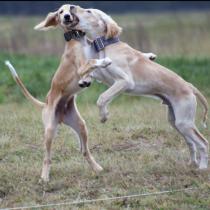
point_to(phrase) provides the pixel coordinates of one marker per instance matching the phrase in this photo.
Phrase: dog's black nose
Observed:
(67, 17)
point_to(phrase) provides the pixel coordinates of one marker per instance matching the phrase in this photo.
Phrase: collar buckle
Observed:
(76, 35)
(98, 44)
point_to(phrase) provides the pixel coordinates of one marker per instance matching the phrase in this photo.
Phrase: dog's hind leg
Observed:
(191, 145)
(189, 142)
(192, 149)
(73, 119)
(203, 147)
(185, 113)
(50, 124)
(193, 137)
(125, 83)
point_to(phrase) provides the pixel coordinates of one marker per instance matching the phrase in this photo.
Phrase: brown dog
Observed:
(60, 105)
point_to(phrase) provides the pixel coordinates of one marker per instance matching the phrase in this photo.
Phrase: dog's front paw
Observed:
(152, 56)
(103, 111)
(104, 115)
(104, 119)
(44, 179)
(106, 62)
(97, 168)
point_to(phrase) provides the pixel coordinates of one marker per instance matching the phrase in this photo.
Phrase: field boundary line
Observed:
(100, 199)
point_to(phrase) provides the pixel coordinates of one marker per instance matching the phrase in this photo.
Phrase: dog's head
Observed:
(95, 23)
(62, 17)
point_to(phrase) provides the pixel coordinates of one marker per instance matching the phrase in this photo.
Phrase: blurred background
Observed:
(174, 30)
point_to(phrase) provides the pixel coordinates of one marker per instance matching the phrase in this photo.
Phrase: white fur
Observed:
(11, 68)
(123, 76)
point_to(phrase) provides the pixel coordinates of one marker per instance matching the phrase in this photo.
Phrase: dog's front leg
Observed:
(150, 56)
(106, 97)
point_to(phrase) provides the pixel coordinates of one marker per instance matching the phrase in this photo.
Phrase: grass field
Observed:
(139, 151)
(166, 34)
(37, 71)
(137, 148)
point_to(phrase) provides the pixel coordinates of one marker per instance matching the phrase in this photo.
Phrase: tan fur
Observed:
(111, 27)
(168, 83)
(87, 67)
(50, 21)
(60, 105)
(37, 103)
(203, 101)
(132, 73)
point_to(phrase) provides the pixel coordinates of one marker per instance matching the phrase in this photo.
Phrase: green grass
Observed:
(138, 149)
(37, 71)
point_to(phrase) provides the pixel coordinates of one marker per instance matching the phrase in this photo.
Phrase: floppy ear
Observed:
(50, 21)
(112, 29)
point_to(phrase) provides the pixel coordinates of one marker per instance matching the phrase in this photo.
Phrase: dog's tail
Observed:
(35, 101)
(203, 101)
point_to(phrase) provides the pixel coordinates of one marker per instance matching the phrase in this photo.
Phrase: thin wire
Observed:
(100, 199)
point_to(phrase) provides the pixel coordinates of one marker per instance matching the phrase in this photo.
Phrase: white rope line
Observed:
(100, 199)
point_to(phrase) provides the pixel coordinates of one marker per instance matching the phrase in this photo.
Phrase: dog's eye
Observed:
(61, 12)
(88, 11)
(72, 7)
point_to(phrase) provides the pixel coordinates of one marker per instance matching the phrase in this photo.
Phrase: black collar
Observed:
(101, 42)
(74, 34)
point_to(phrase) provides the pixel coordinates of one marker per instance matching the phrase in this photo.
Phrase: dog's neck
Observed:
(91, 35)
(90, 46)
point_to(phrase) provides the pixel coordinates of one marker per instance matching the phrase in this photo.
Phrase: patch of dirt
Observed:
(140, 143)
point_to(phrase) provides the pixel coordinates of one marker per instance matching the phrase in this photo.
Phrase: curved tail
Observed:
(203, 101)
(35, 101)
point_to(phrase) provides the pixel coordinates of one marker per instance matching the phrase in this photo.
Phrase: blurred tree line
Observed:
(42, 7)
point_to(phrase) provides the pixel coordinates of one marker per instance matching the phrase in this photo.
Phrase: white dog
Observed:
(132, 73)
